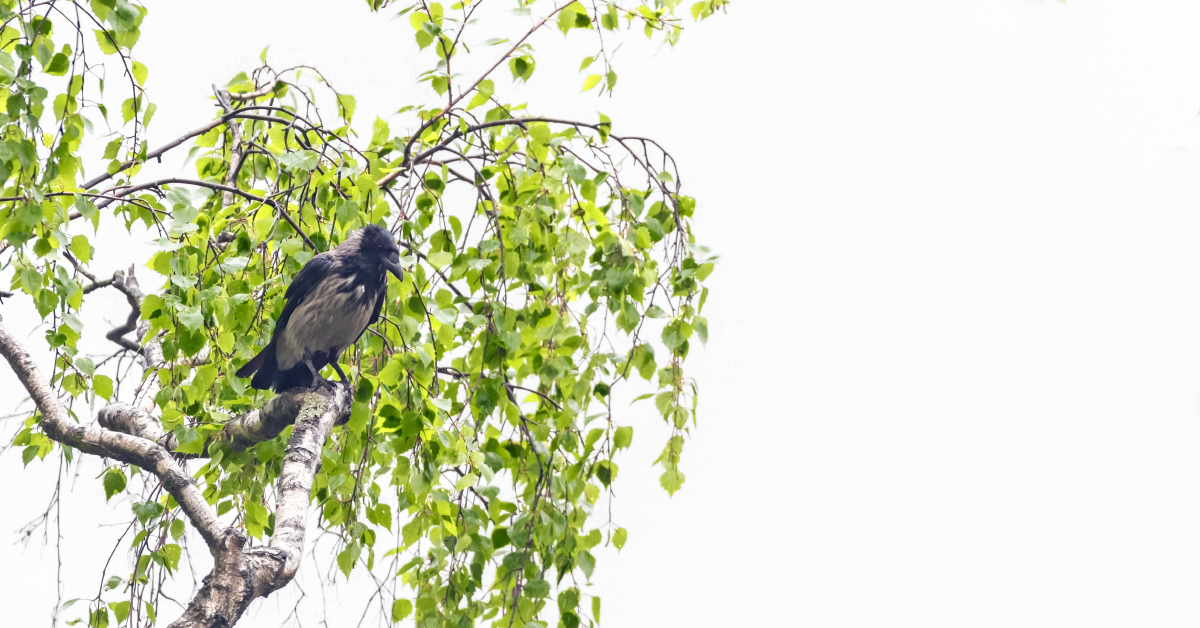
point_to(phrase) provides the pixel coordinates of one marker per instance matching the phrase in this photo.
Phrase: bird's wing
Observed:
(302, 285)
(378, 308)
(378, 303)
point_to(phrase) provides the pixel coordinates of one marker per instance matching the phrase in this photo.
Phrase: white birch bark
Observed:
(130, 434)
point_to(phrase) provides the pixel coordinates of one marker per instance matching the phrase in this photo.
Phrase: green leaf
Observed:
(129, 108)
(348, 557)
(114, 482)
(86, 365)
(205, 376)
(7, 68)
(606, 472)
(383, 515)
(121, 610)
(482, 93)
(103, 386)
(105, 42)
(139, 73)
(145, 511)
(81, 248)
(671, 480)
(521, 67)
(73, 322)
(170, 554)
(586, 563)
(299, 161)
(537, 588)
(590, 82)
(359, 414)
(153, 307)
(190, 441)
(390, 374)
(380, 132)
(623, 437)
(257, 513)
(401, 609)
(346, 105)
(58, 66)
(619, 537)
(191, 317)
(466, 481)
(440, 84)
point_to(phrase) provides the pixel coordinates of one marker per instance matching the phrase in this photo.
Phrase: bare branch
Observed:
(154, 154)
(103, 283)
(220, 188)
(134, 296)
(417, 134)
(252, 95)
(235, 147)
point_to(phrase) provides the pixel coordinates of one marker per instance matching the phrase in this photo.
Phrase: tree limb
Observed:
(134, 296)
(407, 163)
(252, 95)
(158, 152)
(235, 148)
(242, 574)
(107, 443)
(219, 188)
(241, 433)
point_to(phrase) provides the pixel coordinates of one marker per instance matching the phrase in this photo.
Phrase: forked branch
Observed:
(127, 434)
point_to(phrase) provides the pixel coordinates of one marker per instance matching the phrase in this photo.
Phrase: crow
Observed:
(329, 305)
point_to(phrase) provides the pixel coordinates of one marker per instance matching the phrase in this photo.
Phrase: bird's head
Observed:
(377, 244)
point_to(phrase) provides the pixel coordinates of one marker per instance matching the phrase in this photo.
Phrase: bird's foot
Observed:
(341, 374)
(317, 380)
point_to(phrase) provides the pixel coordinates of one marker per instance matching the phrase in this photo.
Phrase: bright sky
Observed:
(953, 374)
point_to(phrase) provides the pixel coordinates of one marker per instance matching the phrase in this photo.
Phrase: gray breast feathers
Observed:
(331, 317)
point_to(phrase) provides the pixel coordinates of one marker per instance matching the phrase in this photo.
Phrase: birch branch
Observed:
(241, 433)
(243, 574)
(235, 148)
(126, 433)
(110, 444)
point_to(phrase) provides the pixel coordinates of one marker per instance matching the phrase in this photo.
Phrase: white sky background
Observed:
(953, 374)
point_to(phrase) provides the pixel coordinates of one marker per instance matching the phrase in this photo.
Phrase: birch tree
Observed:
(550, 262)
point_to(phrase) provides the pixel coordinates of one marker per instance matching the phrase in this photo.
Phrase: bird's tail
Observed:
(262, 366)
(296, 377)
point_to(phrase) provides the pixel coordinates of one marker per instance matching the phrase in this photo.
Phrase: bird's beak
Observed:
(394, 268)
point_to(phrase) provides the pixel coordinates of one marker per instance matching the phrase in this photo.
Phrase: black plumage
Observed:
(329, 305)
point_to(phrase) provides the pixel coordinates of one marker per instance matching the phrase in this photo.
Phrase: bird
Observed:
(328, 306)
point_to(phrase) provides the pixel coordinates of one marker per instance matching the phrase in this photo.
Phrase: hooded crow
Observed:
(329, 305)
